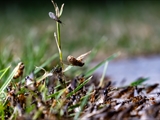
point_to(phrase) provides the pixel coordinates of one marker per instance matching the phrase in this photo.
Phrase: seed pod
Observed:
(77, 61)
(19, 72)
(74, 61)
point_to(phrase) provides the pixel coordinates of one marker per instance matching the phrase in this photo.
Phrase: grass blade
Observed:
(79, 87)
(8, 80)
(84, 102)
(91, 71)
(67, 68)
(139, 81)
(96, 49)
(57, 94)
(46, 63)
(4, 71)
(103, 75)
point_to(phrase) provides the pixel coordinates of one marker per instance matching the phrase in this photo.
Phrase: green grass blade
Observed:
(54, 94)
(60, 93)
(8, 80)
(72, 107)
(67, 68)
(91, 71)
(2, 114)
(46, 63)
(4, 71)
(79, 87)
(96, 49)
(103, 75)
(84, 102)
(37, 114)
(139, 81)
(57, 94)
(44, 76)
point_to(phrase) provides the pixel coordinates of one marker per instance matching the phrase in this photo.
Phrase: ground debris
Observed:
(60, 97)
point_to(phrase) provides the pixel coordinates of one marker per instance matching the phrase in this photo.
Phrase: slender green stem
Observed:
(103, 75)
(59, 42)
(58, 34)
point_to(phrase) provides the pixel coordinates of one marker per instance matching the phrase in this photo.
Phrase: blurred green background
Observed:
(26, 31)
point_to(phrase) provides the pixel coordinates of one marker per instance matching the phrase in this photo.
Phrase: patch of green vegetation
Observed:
(36, 85)
(139, 81)
(48, 92)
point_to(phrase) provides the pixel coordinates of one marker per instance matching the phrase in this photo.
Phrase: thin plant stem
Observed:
(58, 14)
(103, 75)
(58, 34)
(59, 43)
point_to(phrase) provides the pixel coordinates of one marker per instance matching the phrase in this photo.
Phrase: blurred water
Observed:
(133, 68)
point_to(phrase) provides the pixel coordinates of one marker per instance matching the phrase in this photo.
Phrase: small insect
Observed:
(20, 68)
(77, 61)
(54, 17)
